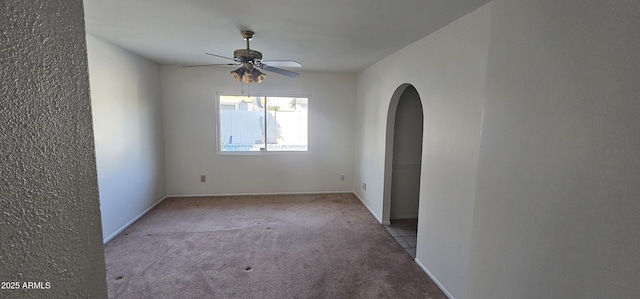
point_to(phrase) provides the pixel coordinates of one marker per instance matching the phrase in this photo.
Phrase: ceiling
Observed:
(328, 35)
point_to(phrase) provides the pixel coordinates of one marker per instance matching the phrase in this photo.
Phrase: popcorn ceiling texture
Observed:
(49, 208)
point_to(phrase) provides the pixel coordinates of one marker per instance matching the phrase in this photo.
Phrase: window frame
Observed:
(217, 111)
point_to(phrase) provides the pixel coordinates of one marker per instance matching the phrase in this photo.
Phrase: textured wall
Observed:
(49, 209)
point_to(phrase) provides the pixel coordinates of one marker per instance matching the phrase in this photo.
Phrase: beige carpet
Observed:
(288, 246)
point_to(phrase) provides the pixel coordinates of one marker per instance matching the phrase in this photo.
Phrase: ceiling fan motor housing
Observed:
(247, 55)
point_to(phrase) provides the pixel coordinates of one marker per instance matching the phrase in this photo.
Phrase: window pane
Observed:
(241, 123)
(287, 124)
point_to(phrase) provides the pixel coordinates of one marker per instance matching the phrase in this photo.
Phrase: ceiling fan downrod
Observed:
(247, 55)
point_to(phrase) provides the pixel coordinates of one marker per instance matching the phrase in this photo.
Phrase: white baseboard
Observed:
(107, 239)
(257, 194)
(405, 217)
(444, 290)
(370, 210)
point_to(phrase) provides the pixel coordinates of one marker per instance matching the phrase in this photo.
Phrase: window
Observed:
(244, 121)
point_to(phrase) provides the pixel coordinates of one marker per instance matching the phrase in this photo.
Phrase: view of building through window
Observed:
(243, 122)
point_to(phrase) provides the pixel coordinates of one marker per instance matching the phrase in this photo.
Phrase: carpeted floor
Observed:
(285, 246)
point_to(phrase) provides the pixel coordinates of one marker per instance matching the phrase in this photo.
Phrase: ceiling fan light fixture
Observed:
(258, 76)
(247, 78)
(238, 74)
(253, 76)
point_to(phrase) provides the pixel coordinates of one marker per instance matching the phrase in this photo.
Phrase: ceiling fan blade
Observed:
(200, 65)
(282, 63)
(280, 71)
(216, 55)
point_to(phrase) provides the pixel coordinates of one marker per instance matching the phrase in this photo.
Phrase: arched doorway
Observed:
(403, 159)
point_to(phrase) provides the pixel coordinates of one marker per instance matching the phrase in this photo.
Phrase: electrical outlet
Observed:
(342, 177)
(203, 178)
(364, 186)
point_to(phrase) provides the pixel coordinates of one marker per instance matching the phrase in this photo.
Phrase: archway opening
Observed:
(403, 159)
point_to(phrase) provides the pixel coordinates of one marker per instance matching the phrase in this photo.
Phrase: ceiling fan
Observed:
(250, 62)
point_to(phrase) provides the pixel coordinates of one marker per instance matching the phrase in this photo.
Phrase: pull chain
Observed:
(248, 89)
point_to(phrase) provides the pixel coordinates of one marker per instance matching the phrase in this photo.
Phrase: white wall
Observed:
(190, 135)
(558, 199)
(50, 216)
(127, 117)
(447, 69)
